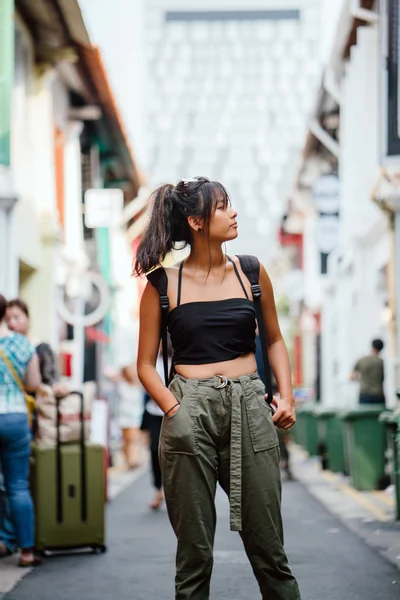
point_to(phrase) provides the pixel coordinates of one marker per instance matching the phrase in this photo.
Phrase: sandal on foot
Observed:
(24, 563)
(156, 504)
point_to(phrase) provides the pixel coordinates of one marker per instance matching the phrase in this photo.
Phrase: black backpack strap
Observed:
(159, 280)
(250, 266)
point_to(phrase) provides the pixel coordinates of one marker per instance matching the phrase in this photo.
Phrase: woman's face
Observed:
(223, 224)
(17, 320)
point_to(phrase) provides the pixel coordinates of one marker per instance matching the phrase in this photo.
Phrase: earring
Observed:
(199, 229)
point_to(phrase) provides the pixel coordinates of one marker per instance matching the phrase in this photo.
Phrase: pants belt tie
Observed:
(235, 482)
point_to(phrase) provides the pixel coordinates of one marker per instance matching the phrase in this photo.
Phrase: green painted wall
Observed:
(6, 76)
(104, 262)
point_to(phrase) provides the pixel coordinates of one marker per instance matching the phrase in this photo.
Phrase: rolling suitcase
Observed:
(68, 483)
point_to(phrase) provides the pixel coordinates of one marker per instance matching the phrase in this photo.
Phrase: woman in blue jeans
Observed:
(15, 436)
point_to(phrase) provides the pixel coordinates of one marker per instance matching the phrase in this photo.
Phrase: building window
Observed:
(392, 24)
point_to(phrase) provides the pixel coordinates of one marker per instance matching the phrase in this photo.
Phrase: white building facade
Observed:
(353, 300)
(228, 88)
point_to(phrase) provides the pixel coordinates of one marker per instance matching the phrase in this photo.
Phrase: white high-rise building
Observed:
(229, 85)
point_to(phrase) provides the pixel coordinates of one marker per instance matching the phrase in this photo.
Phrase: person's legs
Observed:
(262, 531)
(284, 452)
(189, 464)
(131, 446)
(14, 455)
(154, 425)
(7, 531)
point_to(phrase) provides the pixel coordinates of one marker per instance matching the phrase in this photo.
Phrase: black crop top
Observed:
(212, 331)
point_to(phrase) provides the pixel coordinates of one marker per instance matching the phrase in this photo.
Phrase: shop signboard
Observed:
(103, 207)
(326, 198)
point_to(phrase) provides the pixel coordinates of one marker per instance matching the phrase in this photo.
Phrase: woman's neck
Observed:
(206, 258)
(3, 329)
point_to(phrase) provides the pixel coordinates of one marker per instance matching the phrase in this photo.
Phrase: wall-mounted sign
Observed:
(326, 194)
(326, 198)
(81, 320)
(103, 208)
(327, 233)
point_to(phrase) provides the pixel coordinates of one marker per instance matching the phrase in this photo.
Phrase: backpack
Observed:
(251, 268)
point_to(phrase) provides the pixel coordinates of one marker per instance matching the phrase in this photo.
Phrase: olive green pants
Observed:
(226, 435)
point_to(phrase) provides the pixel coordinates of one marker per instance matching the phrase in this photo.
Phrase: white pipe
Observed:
(133, 208)
(137, 228)
(364, 14)
(331, 85)
(324, 137)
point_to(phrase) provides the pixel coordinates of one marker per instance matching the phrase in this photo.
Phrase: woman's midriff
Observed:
(244, 365)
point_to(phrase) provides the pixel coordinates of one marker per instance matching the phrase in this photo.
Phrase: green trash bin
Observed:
(330, 439)
(298, 430)
(365, 445)
(391, 420)
(307, 428)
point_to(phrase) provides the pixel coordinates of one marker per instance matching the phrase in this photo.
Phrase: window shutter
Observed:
(6, 76)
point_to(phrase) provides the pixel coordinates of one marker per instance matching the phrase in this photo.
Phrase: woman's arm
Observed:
(32, 377)
(149, 343)
(278, 355)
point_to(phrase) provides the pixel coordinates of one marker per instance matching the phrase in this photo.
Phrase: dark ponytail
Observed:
(168, 227)
(157, 240)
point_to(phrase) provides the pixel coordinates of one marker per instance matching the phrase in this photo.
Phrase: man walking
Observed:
(369, 371)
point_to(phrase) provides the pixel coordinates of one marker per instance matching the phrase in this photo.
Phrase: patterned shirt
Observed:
(19, 352)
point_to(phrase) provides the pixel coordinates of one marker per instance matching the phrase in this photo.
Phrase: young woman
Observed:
(18, 320)
(217, 425)
(17, 355)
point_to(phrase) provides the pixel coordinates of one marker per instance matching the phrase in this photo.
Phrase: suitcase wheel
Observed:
(101, 549)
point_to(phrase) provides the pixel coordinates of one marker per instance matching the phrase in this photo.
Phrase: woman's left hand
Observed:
(60, 389)
(285, 414)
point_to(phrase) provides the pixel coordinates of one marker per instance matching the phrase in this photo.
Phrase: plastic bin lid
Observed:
(391, 418)
(362, 411)
(322, 412)
(308, 407)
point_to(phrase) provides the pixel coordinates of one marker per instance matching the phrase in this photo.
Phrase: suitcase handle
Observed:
(60, 512)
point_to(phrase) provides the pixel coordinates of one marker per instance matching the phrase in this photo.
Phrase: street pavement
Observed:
(371, 515)
(331, 562)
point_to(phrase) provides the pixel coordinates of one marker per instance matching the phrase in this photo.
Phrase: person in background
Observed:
(369, 371)
(18, 320)
(130, 410)
(152, 421)
(15, 437)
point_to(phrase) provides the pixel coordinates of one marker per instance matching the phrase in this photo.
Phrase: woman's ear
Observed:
(196, 223)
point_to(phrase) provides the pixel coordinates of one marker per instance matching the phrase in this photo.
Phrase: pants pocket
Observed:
(259, 417)
(178, 432)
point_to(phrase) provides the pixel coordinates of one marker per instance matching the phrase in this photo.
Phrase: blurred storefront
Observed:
(61, 134)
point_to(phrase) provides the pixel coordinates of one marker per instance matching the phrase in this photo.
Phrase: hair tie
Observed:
(187, 181)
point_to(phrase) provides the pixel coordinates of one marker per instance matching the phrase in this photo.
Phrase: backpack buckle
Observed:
(164, 302)
(256, 290)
